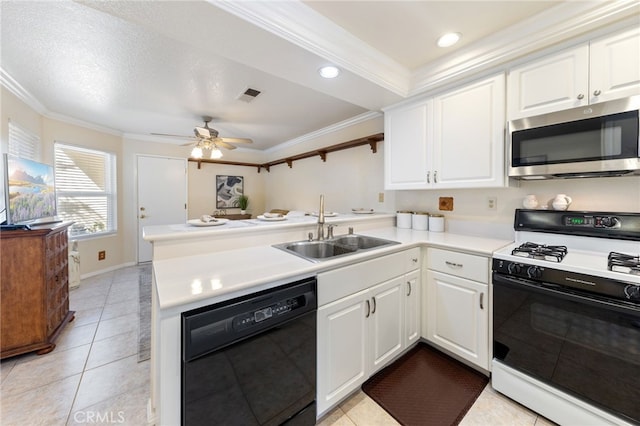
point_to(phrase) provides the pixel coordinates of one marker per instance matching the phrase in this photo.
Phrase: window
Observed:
(86, 189)
(23, 143)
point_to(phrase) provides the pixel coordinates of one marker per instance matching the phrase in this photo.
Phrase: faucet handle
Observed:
(330, 230)
(350, 230)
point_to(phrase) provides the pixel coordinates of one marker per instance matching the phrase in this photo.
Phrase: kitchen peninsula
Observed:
(199, 266)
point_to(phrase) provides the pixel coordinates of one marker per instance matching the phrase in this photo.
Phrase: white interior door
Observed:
(162, 196)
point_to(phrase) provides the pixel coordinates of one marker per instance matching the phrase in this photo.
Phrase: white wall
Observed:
(471, 206)
(351, 178)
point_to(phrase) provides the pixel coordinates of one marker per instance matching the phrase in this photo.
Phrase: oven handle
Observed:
(554, 290)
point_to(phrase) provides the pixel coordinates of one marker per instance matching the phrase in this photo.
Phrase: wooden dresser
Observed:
(35, 289)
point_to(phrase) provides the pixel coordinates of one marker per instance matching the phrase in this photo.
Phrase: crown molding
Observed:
(324, 131)
(80, 123)
(20, 92)
(297, 23)
(554, 26)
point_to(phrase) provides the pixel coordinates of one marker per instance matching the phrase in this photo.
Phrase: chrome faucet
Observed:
(320, 232)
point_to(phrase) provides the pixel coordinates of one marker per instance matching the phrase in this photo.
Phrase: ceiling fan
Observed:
(208, 139)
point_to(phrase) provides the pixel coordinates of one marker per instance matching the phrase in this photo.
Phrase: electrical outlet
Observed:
(102, 255)
(381, 197)
(492, 203)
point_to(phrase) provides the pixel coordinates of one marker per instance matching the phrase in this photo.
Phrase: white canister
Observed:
(403, 219)
(436, 223)
(420, 221)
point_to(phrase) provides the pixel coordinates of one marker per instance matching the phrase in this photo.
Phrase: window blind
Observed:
(23, 143)
(86, 189)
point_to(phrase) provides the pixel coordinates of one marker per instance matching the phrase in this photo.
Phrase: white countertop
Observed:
(180, 231)
(199, 280)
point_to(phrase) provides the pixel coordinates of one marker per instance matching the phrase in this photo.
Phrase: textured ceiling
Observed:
(143, 67)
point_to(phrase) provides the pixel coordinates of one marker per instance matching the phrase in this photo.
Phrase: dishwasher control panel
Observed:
(248, 319)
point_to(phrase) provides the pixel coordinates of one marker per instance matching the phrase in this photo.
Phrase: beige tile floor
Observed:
(94, 377)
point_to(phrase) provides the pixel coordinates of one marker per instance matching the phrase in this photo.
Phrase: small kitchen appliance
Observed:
(566, 316)
(596, 140)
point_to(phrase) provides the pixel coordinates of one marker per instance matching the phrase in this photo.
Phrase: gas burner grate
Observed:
(621, 262)
(541, 251)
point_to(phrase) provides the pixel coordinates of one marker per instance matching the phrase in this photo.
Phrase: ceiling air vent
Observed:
(249, 95)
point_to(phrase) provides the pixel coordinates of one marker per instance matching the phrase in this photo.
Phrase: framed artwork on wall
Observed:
(228, 189)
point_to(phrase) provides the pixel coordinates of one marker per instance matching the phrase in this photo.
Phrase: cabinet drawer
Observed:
(459, 264)
(414, 259)
(336, 284)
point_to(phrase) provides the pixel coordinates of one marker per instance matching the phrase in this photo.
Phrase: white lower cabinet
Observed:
(457, 304)
(362, 332)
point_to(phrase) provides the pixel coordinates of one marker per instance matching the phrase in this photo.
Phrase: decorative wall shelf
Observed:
(371, 140)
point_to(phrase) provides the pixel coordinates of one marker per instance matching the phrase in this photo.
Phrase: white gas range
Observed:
(566, 325)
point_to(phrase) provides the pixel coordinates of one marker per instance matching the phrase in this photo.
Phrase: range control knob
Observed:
(514, 268)
(632, 292)
(609, 221)
(534, 272)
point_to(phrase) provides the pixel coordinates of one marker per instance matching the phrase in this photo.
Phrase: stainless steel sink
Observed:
(339, 246)
(360, 242)
(317, 249)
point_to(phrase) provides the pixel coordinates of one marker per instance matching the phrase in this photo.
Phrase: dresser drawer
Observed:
(462, 265)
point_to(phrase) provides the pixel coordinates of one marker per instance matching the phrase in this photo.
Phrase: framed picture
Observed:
(228, 189)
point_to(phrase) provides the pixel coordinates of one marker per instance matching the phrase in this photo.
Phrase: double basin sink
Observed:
(342, 245)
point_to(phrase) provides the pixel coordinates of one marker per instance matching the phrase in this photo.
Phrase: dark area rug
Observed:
(144, 304)
(426, 387)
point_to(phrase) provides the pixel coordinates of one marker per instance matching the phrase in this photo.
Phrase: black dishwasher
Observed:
(252, 360)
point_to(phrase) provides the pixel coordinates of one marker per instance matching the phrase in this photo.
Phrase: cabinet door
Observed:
(342, 340)
(469, 136)
(386, 322)
(457, 316)
(615, 66)
(406, 146)
(411, 308)
(553, 83)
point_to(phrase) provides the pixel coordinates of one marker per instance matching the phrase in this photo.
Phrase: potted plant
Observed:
(243, 201)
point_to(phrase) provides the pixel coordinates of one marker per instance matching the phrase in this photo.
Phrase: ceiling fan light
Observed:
(449, 39)
(216, 153)
(196, 152)
(329, 71)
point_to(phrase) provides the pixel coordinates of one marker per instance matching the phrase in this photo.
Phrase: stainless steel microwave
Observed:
(596, 140)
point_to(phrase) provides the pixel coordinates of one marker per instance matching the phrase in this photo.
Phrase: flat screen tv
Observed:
(29, 189)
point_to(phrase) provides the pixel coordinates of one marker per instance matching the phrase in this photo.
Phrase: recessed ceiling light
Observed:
(329, 71)
(449, 39)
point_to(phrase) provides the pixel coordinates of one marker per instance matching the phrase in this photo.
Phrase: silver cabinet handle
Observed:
(414, 260)
(428, 177)
(596, 93)
(453, 264)
(368, 309)
(435, 177)
(580, 96)
(481, 300)
(373, 311)
(409, 285)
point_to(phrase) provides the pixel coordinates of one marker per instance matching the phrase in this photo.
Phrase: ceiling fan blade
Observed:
(173, 136)
(189, 143)
(224, 144)
(237, 140)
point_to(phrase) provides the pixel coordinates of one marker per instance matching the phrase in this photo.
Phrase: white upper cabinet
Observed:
(607, 68)
(615, 66)
(454, 140)
(406, 142)
(468, 142)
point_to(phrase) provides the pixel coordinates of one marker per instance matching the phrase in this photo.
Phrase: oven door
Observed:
(582, 345)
